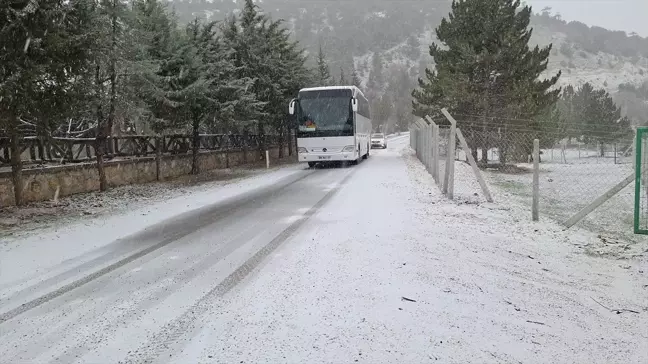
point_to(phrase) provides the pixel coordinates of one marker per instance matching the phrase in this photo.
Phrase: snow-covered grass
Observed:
(570, 183)
(407, 276)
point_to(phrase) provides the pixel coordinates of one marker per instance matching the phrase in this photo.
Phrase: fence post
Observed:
(434, 148)
(267, 157)
(448, 185)
(535, 211)
(158, 157)
(430, 131)
(473, 165)
(418, 143)
(634, 148)
(426, 155)
(435, 151)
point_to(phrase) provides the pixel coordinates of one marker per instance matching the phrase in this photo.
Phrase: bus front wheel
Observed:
(311, 164)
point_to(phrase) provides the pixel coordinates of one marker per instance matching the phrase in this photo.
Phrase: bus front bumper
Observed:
(327, 157)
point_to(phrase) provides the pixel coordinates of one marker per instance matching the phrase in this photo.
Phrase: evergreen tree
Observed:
(413, 49)
(601, 118)
(487, 67)
(187, 97)
(42, 52)
(355, 79)
(343, 80)
(323, 72)
(550, 126)
(398, 88)
(153, 32)
(381, 112)
(568, 107)
(264, 52)
(376, 81)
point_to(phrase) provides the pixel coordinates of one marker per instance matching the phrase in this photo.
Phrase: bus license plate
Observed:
(324, 157)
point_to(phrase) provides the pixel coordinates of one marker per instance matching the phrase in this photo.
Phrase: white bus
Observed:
(334, 124)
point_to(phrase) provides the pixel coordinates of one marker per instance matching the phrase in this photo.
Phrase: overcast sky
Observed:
(627, 15)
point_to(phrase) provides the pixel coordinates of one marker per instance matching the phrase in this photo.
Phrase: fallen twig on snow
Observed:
(407, 299)
(537, 322)
(617, 311)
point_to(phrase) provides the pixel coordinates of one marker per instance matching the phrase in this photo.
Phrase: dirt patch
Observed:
(512, 169)
(608, 247)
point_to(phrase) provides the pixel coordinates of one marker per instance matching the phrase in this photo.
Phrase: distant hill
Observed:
(351, 31)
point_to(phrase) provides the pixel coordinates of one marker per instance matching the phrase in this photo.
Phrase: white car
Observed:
(378, 141)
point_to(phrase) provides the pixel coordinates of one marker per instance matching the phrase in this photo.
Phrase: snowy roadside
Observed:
(409, 277)
(42, 217)
(130, 209)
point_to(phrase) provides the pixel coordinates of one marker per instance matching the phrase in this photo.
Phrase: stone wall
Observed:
(41, 184)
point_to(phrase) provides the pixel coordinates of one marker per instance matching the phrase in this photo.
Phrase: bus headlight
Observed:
(302, 150)
(348, 148)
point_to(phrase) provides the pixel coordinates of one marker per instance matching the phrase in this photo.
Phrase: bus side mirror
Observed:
(354, 104)
(291, 107)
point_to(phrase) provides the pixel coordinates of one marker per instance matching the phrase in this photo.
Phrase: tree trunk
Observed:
(261, 139)
(113, 77)
(290, 141)
(100, 145)
(16, 167)
(100, 140)
(281, 142)
(195, 146)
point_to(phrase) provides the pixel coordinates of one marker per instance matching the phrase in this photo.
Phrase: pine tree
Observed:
(41, 55)
(399, 87)
(381, 111)
(343, 80)
(187, 96)
(264, 52)
(355, 79)
(152, 33)
(602, 119)
(323, 72)
(568, 108)
(487, 67)
(376, 81)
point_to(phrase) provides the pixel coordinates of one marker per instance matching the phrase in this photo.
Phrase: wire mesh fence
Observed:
(438, 148)
(575, 170)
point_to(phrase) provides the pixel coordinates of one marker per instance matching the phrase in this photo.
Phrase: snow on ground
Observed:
(569, 184)
(73, 237)
(389, 271)
(17, 223)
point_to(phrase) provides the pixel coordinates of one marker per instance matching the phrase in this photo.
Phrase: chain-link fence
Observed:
(575, 171)
(441, 150)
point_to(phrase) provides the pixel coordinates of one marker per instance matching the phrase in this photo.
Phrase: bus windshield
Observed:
(325, 113)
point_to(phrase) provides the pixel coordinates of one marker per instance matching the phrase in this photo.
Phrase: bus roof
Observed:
(325, 88)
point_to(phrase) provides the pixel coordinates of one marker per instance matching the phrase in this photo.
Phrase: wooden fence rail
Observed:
(35, 149)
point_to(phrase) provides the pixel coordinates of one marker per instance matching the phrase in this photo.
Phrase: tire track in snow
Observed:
(173, 331)
(185, 225)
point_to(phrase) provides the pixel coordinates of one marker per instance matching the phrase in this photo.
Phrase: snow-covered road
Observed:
(362, 264)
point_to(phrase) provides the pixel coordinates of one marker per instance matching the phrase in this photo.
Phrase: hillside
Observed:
(400, 32)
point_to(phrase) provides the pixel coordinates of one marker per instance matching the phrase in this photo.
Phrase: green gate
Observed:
(641, 182)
